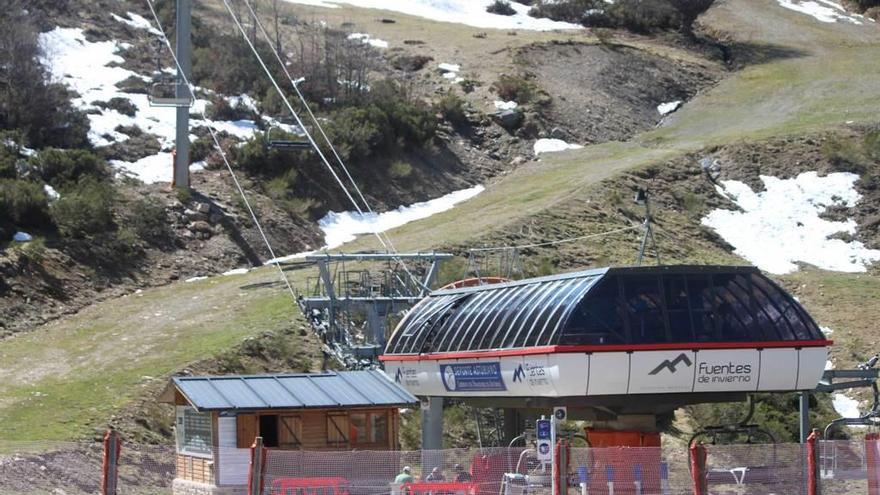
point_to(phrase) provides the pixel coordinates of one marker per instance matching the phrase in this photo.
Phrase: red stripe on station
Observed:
(560, 349)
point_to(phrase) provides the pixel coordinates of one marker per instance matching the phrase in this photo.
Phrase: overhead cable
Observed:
(220, 150)
(308, 135)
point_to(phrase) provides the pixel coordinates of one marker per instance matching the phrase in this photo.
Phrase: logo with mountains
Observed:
(671, 365)
(398, 376)
(519, 374)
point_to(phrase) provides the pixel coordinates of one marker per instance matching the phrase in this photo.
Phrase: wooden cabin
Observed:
(218, 417)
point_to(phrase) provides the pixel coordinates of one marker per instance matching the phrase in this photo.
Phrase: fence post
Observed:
(698, 469)
(812, 464)
(257, 467)
(110, 472)
(560, 468)
(872, 462)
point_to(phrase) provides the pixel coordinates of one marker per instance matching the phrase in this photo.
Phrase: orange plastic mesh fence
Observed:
(757, 468)
(375, 472)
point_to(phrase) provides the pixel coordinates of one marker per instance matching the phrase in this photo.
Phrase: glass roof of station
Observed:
(608, 306)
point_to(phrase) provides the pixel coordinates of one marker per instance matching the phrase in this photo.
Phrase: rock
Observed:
(508, 119)
(215, 217)
(203, 208)
(558, 133)
(200, 226)
(517, 160)
(194, 216)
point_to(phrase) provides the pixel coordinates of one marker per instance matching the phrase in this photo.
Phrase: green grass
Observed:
(65, 379)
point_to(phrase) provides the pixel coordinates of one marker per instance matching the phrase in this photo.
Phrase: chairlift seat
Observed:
(284, 144)
(156, 100)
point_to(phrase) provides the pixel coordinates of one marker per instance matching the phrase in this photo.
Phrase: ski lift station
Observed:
(617, 346)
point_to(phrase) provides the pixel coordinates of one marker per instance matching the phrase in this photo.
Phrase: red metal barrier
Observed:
(429, 488)
(110, 471)
(309, 486)
(698, 468)
(812, 466)
(872, 460)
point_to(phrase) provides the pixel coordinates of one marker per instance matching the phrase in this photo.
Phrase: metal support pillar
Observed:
(804, 416)
(432, 433)
(513, 426)
(432, 423)
(184, 56)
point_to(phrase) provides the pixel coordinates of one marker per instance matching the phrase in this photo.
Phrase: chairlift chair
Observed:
(164, 94)
(275, 140)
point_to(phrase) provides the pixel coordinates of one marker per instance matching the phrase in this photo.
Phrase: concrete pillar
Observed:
(184, 56)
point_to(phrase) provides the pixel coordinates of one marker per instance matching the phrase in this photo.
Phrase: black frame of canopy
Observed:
(459, 320)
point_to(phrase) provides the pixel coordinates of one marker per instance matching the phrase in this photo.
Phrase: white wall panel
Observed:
(779, 369)
(653, 372)
(726, 370)
(609, 373)
(810, 366)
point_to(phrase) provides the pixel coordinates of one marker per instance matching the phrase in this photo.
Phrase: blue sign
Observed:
(472, 377)
(543, 429)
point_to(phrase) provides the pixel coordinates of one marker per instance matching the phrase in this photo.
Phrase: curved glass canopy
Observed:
(609, 306)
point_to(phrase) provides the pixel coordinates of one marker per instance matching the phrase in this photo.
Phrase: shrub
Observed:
(147, 221)
(643, 16)
(566, 10)
(500, 7)
(400, 170)
(221, 109)
(86, 211)
(514, 88)
(64, 169)
(451, 107)
(29, 101)
(121, 105)
(23, 204)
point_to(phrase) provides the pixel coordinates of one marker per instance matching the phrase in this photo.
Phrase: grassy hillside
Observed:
(69, 376)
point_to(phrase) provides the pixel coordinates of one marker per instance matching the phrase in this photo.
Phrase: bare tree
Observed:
(689, 10)
(276, 23)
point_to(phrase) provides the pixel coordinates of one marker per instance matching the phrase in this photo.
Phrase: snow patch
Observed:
(667, 108)
(781, 225)
(826, 331)
(447, 67)
(822, 10)
(195, 279)
(237, 271)
(85, 67)
(22, 237)
(243, 100)
(137, 22)
(369, 40)
(505, 105)
(845, 406)
(343, 227)
(467, 12)
(829, 365)
(552, 145)
(51, 193)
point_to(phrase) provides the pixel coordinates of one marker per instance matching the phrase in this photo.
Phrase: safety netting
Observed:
(757, 468)
(843, 466)
(628, 471)
(479, 471)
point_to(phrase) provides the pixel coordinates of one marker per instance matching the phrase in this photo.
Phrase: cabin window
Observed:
(193, 431)
(368, 428)
(597, 320)
(337, 430)
(379, 427)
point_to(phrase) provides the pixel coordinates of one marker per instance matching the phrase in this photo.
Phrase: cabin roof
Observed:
(607, 306)
(289, 391)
